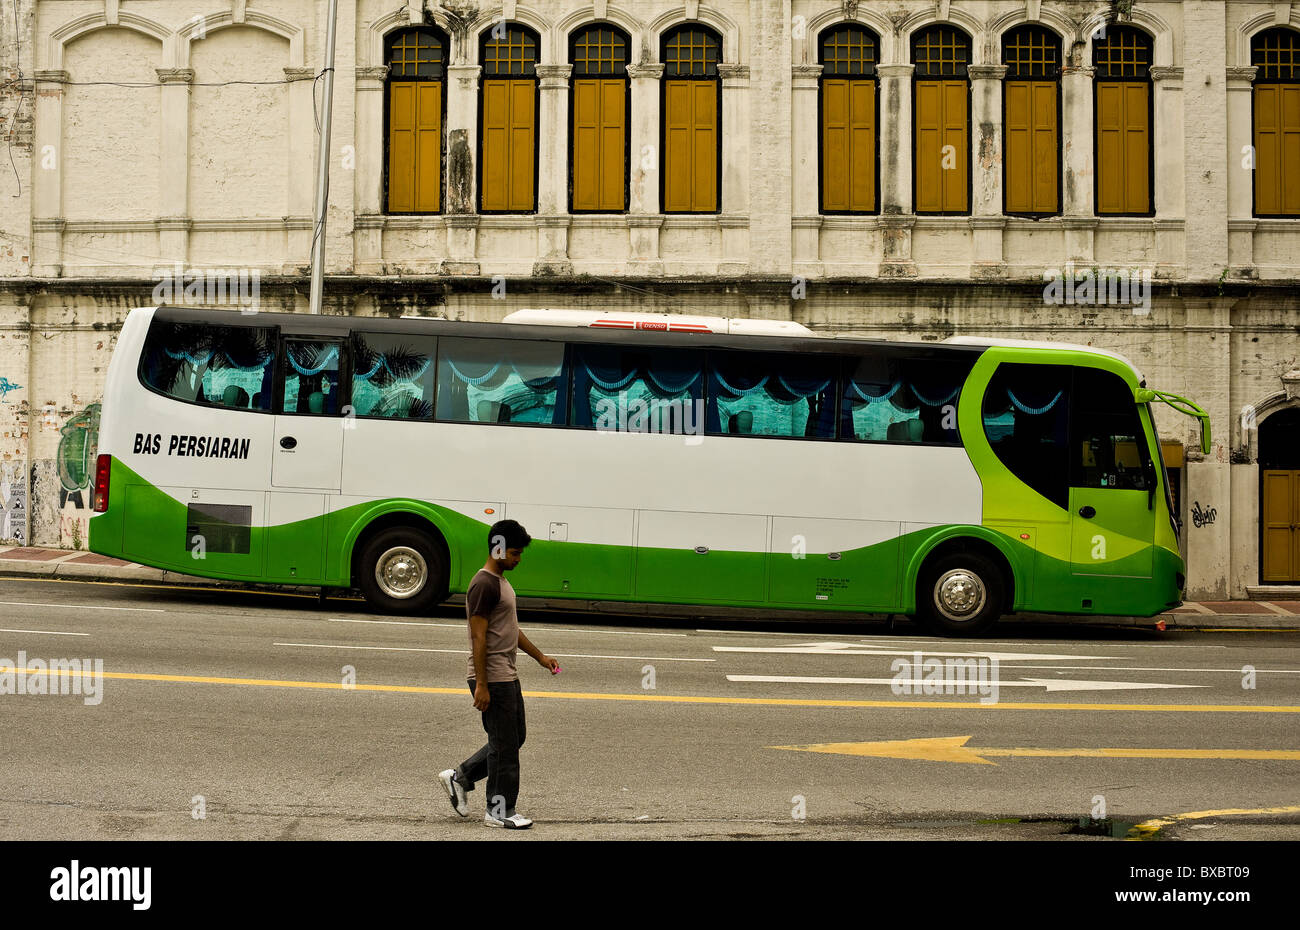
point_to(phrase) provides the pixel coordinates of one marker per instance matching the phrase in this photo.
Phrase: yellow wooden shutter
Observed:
(509, 145)
(848, 145)
(941, 122)
(690, 146)
(1031, 147)
(1277, 149)
(414, 146)
(599, 110)
(1123, 147)
(954, 134)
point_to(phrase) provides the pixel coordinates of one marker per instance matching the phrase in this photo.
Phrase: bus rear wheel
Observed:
(403, 571)
(959, 595)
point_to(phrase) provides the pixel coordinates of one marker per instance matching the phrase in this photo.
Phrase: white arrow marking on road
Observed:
(916, 685)
(855, 649)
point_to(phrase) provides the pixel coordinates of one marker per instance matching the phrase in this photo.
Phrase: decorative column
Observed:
(987, 220)
(644, 219)
(462, 153)
(806, 220)
(368, 240)
(174, 209)
(1168, 183)
(1078, 206)
(1241, 177)
(734, 139)
(47, 171)
(896, 217)
(552, 172)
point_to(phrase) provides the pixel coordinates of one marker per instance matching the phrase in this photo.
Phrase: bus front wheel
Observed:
(959, 595)
(403, 571)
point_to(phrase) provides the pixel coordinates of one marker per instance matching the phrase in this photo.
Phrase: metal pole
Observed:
(323, 166)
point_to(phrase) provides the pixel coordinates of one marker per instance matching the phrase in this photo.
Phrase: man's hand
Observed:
(482, 697)
(548, 663)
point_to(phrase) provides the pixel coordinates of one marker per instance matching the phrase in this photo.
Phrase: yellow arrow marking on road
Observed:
(1147, 829)
(954, 749)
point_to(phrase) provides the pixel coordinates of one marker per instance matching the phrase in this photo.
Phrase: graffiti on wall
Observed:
(5, 387)
(13, 499)
(1203, 517)
(75, 461)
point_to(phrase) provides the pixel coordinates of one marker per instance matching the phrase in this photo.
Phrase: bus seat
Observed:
(741, 424)
(235, 396)
(905, 431)
(491, 411)
(316, 402)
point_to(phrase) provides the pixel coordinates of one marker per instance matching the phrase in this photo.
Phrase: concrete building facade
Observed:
(159, 143)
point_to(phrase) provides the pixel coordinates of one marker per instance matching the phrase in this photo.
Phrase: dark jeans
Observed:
(498, 761)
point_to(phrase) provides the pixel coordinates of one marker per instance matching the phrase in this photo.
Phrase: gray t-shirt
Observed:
(491, 596)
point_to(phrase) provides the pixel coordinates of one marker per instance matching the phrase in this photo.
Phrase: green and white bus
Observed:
(654, 459)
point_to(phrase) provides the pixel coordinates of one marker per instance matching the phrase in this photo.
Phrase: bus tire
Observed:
(960, 594)
(403, 571)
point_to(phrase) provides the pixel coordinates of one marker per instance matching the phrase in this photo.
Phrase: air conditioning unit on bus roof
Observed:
(661, 322)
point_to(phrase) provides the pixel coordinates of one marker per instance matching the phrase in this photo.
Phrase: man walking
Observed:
(494, 637)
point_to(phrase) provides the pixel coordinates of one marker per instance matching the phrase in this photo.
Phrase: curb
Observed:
(142, 574)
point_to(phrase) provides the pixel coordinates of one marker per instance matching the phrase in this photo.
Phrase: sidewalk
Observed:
(90, 566)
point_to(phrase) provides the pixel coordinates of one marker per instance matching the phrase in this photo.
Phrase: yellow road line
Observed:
(695, 699)
(1149, 828)
(954, 749)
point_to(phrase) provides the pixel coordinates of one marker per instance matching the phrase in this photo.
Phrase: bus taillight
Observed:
(101, 484)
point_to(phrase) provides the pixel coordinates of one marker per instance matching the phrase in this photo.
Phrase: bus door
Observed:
(1112, 485)
(307, 455)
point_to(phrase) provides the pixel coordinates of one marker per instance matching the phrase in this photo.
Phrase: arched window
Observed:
(848, 56)
(1122, 58)
(1031, 120)
(599, 104)
(508, 127)
(1276, 53)
(692, 98)
(941, 120)
(416, 60)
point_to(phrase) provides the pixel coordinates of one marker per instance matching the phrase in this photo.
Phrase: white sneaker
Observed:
(459, 799)
(513, 822)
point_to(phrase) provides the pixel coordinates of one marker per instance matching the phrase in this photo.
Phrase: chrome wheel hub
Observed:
(401, 572)
(959, 594)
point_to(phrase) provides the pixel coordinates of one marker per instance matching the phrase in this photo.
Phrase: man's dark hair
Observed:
(515, 536)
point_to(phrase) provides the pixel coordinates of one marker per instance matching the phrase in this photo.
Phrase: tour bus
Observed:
(653, 458)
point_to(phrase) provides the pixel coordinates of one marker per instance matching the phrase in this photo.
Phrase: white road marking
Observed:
(852, 649)
(555, 655)
(543, 629)
(916, 685)
(152, 610)
(46, 632)
(1145, 668)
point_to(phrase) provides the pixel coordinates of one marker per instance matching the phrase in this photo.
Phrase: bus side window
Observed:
(311, 376)
(890, 399)
(224, 366)
(1026, 414)
(638, 389)
(392, 375)
(500, 381)
(772, 395)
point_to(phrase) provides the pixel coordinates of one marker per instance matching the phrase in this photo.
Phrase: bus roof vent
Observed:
(661, 322)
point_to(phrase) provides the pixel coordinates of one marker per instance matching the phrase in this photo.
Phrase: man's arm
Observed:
(544, 660)
(478, 636)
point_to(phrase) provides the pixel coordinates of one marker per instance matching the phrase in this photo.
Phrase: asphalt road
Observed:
(234, 705)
